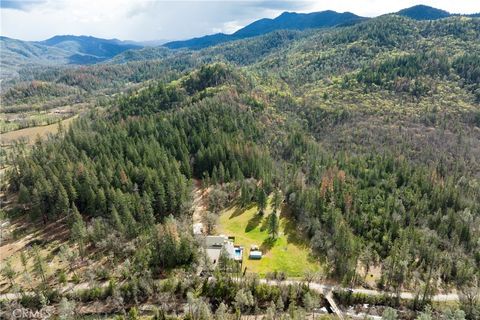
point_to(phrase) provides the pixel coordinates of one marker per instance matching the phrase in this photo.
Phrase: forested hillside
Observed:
(285, 21)
(370, 132)
(59, 50)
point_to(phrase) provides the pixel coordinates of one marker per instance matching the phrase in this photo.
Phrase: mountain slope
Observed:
(297, 21)
(16, 53)
(59, 50)
(201, 42)
(422, 12)
(86, 45)
(286, 21)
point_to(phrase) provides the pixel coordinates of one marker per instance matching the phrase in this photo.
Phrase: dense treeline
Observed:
(406, 73)
(160, 97)
(397, 73)
(139, 168)
(36, 91)
(468, 66)
(382, 206)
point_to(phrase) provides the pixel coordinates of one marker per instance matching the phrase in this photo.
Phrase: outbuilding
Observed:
(255, 255)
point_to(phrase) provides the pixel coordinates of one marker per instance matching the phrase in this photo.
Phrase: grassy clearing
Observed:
(31, 134)
(288, 253)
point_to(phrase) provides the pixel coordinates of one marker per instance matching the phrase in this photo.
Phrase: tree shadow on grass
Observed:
(267, 244)
(264, 225)
(293, 234)
(239, 210)
(254, 222)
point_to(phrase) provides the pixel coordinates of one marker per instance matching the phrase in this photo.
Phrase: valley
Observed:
(310, 166)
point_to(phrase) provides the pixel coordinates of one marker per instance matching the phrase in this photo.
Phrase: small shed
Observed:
(255, 255)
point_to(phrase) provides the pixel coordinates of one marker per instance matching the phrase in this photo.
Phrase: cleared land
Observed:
(31, 134)
(288, 253)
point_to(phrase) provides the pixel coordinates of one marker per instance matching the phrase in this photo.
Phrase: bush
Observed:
(92, 294)
(62, 277)
(345, 297)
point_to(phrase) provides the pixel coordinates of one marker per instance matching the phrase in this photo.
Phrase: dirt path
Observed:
(319, 287)
(199, 201)
(325, 288)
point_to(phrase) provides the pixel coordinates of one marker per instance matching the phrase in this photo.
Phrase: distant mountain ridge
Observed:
(88, 48)
(58, 50)
(423, 12)
(298, 21)
(287, 20)
(81, 50)
(302, 21)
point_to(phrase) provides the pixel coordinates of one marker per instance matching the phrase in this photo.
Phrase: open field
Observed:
(31, 134)
(35, 116)
(288, 253)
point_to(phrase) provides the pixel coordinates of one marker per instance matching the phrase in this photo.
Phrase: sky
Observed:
(143, 20)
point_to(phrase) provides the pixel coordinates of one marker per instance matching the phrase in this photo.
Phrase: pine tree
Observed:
(159, 201)
(245, 195)
(79, 230)
(214, 175)
(222, 312)
(39, 265)
(276, 200)
(280, 306)
(146, 213)
(24, 261)
(116, 221)
(221, 173)
(8, 272)
(62, 201)
(236, 172)
(24, 196)
(223, 260)
(261, 200)
(273, 226)
(101, 203)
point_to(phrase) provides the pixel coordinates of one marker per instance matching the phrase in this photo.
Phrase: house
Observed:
(215, 244)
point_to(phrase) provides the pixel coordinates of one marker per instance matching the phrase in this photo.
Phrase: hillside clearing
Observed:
(31, 134)
(287, 254)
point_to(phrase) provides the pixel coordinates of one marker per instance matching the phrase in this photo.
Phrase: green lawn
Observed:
(288, 253)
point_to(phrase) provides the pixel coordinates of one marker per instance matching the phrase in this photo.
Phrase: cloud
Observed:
(173, 19)
(24, 5)
(282, 5)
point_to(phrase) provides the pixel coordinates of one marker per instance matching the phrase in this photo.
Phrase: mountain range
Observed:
(88, 49)
(302, 21)
(285, 21)
(58, 50)
(82, 50)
